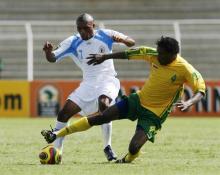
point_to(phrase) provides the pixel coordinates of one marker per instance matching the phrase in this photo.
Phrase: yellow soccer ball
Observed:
(50, 155)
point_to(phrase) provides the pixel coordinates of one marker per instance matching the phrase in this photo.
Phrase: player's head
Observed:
(167, 49)
(85, 26)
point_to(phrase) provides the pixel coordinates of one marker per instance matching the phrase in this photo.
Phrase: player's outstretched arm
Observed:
(48, 48)
(95, 59)
(184, 105)
(127, 41)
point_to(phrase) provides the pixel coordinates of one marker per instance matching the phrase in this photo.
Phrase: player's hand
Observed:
(117, 39)
(183, 105)
(48, 47)
(95, 59)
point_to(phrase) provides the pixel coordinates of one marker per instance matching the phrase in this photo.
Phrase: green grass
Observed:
(184, 146)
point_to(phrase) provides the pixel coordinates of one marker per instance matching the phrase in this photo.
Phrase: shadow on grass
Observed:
(71, 163)
(102, 163)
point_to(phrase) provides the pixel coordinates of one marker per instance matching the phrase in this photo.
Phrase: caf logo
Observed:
(48, 93)
(48, 101)
(101, 49)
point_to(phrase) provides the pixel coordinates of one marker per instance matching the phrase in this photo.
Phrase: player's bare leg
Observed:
(104, 103)
(137, 141)
(83, 124)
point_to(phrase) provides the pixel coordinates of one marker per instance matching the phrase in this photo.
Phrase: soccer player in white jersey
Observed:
(99, 86)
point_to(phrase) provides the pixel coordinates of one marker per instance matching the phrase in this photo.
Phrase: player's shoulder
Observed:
(74, 37)
(182, 61)
(70, 41)
(183, 64)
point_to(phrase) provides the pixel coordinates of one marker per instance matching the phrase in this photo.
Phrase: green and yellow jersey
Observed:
(164, 85)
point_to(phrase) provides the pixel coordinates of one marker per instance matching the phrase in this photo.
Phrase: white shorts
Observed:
(86, 95)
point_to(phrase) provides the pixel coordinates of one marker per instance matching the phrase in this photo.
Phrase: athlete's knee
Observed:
(104, 102)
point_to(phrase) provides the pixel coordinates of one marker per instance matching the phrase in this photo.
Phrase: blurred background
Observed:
(32, 88)
(194, 23)
(26, 24)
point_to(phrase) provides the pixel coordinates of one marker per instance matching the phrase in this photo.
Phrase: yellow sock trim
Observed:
(77, 126)
(129, 157)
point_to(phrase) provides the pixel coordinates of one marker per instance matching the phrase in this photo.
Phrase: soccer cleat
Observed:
(109, 153)
(121, 160)
(49, 136)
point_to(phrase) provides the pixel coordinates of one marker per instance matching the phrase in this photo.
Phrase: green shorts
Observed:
(146, 120)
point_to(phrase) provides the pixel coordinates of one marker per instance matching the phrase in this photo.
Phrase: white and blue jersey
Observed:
(97, 80)
(79, 50)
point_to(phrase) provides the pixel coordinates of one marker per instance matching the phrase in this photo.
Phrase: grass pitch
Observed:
(183, 146)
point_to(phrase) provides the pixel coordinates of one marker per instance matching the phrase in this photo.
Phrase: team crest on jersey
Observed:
(101, 49)
(173, 78)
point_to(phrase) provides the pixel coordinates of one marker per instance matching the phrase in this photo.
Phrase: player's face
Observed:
(85, 29)
(165, 57)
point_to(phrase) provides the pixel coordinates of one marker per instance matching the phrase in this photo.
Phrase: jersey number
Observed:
(81, 56)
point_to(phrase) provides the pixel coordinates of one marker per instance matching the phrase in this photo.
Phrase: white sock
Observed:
(107, 133)
(58, 143)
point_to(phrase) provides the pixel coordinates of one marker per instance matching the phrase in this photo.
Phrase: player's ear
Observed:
(93, 25)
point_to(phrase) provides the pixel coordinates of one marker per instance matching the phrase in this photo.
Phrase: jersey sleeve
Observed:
(64, 49)
(142, 53)
(112, 33)
(194, 79)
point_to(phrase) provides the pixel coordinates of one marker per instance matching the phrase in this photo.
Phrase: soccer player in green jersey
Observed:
(153, 103)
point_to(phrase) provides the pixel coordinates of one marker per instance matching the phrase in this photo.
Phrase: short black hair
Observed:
(85, 17)
(169, 44)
